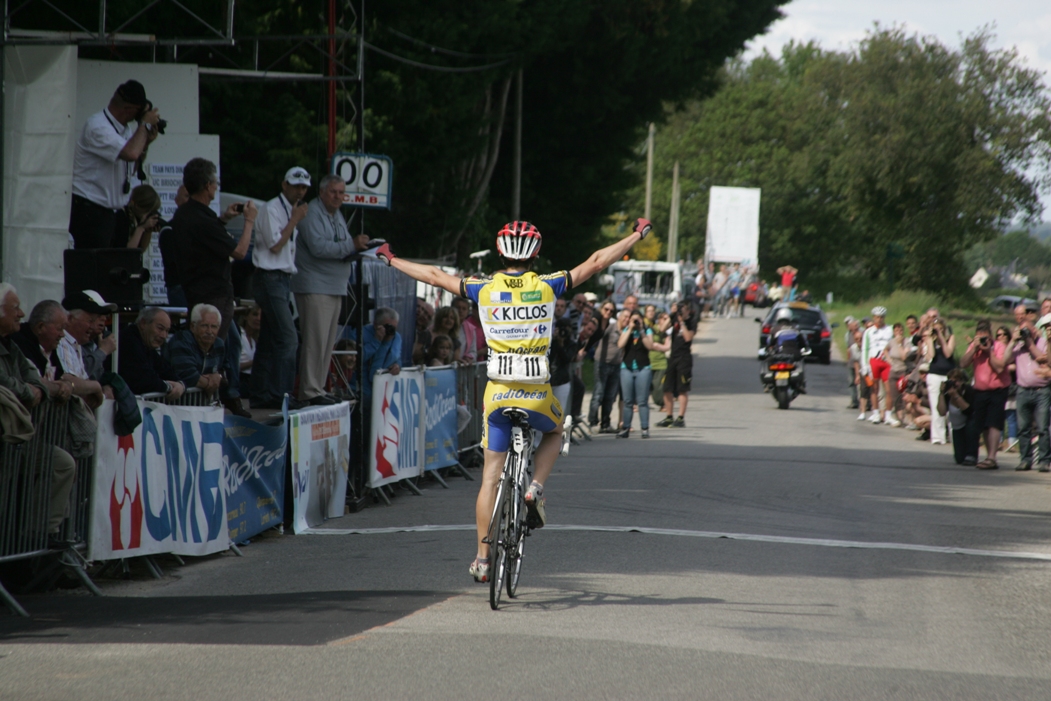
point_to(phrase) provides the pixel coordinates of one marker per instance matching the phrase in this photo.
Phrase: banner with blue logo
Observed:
(254, 461)
(439, 443)
(159, 489)
(396, 435)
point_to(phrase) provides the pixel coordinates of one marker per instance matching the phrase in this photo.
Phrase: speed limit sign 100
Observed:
(368, 178)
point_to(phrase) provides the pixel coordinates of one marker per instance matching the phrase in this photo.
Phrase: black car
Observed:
(810, 320)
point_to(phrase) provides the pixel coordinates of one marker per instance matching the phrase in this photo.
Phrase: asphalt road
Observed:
(792, 554)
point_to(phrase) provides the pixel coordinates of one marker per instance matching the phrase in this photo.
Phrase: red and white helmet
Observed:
(518, 240)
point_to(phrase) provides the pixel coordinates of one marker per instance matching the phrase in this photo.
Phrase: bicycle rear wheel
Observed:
(498, 547)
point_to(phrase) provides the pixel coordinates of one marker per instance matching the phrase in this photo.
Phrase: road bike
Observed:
(507, 526)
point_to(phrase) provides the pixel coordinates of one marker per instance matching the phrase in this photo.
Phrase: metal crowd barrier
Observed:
(25, 489)
(470, 391)
(194, 396)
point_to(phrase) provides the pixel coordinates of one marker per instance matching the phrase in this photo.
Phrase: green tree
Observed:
(900, 141)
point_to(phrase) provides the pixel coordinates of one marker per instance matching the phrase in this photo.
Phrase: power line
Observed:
(430, 67)
(440, 50)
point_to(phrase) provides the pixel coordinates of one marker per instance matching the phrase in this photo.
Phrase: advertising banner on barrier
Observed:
(254, 460)
(159, 490)
(320, 441)
(439, 442)
(396, 434)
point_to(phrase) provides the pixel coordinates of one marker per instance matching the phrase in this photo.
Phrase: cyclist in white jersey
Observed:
(875, 363)
(517, 312)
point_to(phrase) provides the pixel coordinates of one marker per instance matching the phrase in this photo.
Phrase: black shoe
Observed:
(1044, 467)
(237, 408)
(623, 434)
(680, 422)
(666, 422)
(293, 404)
(606, 429)
(323, 400)
(924, 436)
(1023, 466)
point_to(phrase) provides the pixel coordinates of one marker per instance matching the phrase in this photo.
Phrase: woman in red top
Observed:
(991, 380)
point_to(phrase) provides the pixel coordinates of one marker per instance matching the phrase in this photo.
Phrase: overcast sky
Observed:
(837, 24)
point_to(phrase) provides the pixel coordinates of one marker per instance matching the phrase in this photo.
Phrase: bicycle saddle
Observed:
(518, 416)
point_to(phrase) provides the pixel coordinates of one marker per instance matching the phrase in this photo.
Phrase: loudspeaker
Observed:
(115, 273)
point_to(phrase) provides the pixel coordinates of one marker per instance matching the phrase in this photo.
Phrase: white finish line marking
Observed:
(823, 542)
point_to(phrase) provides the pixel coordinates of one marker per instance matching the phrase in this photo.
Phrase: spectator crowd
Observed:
(991, 390)
(259, 352)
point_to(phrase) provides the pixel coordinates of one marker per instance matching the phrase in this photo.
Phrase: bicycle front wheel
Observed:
(498, 547)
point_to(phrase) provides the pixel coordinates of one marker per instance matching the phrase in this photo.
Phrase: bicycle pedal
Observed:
(487, 541)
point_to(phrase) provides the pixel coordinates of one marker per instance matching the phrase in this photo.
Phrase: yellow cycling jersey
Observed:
(517, 310)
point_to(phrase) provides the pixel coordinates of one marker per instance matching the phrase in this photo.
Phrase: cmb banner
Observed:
(320, 441)
(160, 489)
(439, 443)
(254, 464)
(396, 435)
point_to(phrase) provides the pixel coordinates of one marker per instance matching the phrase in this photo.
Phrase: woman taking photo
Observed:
(636, 342)
(138, 220)
(939, 346)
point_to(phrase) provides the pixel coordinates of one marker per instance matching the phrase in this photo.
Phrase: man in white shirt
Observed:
(274, 257)
(104, 162)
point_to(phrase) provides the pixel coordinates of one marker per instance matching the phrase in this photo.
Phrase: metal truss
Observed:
(218, 52)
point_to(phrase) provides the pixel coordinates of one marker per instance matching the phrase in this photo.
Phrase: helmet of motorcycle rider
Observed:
(784, 315)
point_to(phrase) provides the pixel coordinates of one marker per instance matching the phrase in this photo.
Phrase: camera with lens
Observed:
(391, 329)
(162, 124)
(1025, 333)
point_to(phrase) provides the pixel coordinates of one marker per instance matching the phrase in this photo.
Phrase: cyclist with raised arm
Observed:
(517, 309)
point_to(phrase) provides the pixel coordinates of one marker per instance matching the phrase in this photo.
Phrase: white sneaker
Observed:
(875, 418)
(861, 416)
(892, 422)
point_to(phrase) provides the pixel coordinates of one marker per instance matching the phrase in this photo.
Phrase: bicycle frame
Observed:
(507, 524)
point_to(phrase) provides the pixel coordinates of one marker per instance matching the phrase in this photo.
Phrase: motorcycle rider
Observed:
(786, 339)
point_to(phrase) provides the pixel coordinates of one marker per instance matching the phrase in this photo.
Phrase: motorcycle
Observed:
(783, 375)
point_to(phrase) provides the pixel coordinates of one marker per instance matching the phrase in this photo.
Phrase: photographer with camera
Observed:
(636, 342)
(106, 156)
(138, 220)
(563, 352)
(956, 403)
(380, 348)
(991, 380)
(938, 349)
(274, 257)
(1033, 398)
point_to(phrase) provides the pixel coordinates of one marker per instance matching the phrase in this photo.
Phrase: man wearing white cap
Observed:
(84, 309)
(274, 256)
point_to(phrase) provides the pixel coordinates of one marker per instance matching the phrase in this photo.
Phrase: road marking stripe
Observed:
(824, 542)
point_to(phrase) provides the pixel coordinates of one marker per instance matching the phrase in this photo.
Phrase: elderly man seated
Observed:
(84, 309)
(198, 357)
(142, 366)
(19, 378)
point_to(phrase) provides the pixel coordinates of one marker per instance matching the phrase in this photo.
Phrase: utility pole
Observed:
(649, 171)
(331, 75)
(673, 220)
(516, 170)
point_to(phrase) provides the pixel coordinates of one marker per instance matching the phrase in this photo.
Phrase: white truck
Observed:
(653, 282)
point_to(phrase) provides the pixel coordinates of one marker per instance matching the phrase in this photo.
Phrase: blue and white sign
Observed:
(439, 444)
(368, 178)
(254, 458)
(396, 434)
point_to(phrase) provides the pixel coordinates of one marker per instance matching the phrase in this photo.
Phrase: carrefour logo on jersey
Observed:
(531, 312)
(541, 329)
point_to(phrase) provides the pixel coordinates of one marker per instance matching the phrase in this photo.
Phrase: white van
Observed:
(653, 282)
